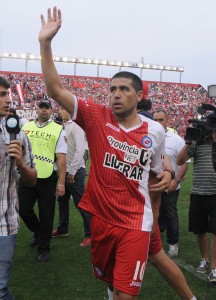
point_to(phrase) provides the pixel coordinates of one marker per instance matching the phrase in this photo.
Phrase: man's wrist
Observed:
(171, 172)
(177, 179)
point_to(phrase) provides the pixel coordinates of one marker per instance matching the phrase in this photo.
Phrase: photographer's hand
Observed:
(214, 135)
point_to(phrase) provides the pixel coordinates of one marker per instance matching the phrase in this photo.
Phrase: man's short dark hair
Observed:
(4, 83)
(161, 110)
(136, 81)
(12, 111)
(144, 104)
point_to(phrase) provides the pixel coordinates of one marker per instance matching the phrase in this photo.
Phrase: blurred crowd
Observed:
(179, 99)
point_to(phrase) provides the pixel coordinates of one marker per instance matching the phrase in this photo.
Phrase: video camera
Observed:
(201, 128)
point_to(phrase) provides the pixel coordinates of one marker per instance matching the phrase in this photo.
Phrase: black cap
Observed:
(45, 103)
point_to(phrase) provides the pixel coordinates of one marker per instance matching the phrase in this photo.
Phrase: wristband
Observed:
(61, 184)
(178, 180)
(171, 172)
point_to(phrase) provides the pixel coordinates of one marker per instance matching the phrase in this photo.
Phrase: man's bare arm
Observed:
(183, 155)
(163, 179)
(54, 87)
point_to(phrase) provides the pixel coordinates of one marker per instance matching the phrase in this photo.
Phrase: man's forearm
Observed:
(182, 171)
(183, 155)
(28, 175)
(61, 164)
(51, 77)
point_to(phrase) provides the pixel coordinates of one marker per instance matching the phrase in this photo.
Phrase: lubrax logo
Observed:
(130, 171)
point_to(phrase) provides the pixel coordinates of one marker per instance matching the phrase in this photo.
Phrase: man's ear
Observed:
(140, 95)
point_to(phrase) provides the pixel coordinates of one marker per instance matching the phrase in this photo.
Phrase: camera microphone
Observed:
(193, 121)
(208, 107)
(12, 126)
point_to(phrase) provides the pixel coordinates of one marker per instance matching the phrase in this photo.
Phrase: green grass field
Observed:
(68, 275)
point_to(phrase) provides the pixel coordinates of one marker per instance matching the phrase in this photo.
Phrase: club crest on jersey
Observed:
(147, 142)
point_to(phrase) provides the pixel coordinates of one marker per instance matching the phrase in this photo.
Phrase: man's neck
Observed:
(129, 122)
(41, 122)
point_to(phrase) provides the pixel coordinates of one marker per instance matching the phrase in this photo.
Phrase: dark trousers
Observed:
(75, 189)
(44, 194)
(168, 216)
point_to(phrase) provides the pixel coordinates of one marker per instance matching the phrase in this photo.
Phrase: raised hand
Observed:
(51, 26)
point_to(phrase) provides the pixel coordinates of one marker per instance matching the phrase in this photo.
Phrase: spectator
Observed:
(168, 216)
(143, 108)
(75, 179)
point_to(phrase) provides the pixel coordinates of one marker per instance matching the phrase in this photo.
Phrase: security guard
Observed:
(49, 145)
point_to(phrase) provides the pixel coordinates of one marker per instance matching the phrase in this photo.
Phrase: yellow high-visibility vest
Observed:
(43, 141)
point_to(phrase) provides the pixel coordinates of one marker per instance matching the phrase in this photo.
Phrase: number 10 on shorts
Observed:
(139, 271)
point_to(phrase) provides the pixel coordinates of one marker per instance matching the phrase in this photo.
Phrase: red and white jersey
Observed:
(117, 188)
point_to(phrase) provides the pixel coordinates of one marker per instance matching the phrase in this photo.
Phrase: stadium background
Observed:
(179, 99)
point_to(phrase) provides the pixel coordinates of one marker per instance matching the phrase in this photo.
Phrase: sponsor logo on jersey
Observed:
(113, 127)
(147, 142)
(123, 146)
(130, 171)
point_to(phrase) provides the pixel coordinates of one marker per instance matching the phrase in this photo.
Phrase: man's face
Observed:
(123, 97)
(160, 117)
(5, 101)
(44, 113)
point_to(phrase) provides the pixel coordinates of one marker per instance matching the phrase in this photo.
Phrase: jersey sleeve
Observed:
(158, 157)
(85, 113)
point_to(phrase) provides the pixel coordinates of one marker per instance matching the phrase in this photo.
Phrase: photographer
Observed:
(202, 212)
(214, 149)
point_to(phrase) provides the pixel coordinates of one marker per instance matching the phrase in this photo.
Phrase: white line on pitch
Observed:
(190, 269)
